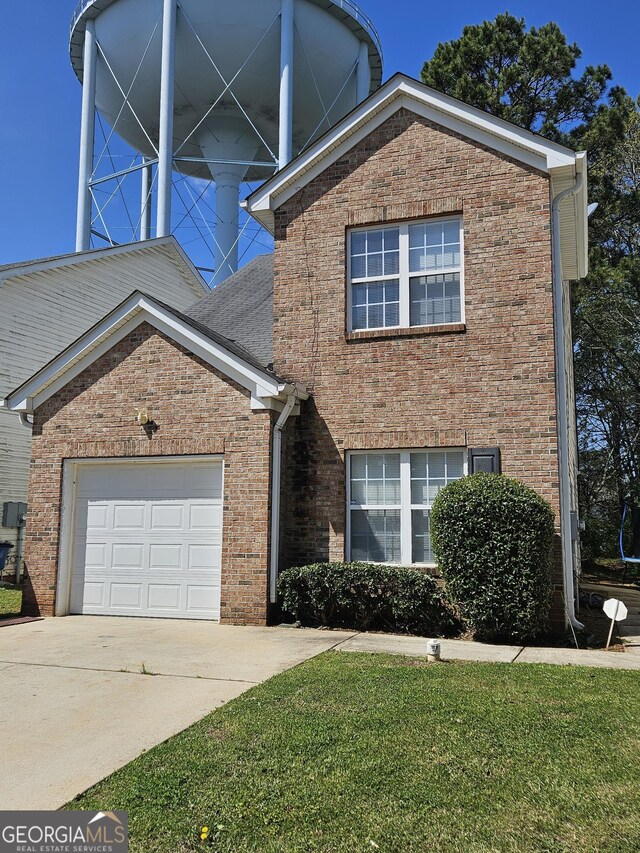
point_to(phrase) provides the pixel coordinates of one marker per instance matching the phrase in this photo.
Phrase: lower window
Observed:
(390, 500)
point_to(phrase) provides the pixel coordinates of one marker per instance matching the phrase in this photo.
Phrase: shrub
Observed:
(366, 596)
(492, 537)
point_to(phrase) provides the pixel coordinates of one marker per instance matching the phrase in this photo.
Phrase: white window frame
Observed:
(403, 275)
(406, 506)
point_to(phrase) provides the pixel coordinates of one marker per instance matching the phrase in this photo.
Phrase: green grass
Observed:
(10, 602)
(350, 751)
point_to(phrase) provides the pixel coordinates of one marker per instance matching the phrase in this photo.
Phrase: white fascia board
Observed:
(474, 124)
(99, 340)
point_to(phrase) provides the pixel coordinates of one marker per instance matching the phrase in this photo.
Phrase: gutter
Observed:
(559, 334)
(295, 395)
(24, 420)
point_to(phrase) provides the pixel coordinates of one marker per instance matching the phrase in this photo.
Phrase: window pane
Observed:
(375, 536)
(451, 231)
(435, 299)
(392, 314)
(376, 317)
(374, 265)
(455, 465)
(391, 263)
(359, 319)
(421, 551)
(358, 266)
(359, 294)
(391, 238)
(374, 241)
(358, 492)
(358, 242)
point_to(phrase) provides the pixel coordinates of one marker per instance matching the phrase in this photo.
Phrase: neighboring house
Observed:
(415, 326)
(45, 304)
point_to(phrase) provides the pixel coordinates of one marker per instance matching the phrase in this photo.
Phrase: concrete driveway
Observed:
(84, 695)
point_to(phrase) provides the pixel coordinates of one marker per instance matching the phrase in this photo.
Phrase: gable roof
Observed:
(168, 246)
(241, 308)
(235, 362)
(560, 163)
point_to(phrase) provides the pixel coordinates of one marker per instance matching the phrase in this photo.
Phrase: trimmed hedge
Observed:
(492, 537)
(366, 597)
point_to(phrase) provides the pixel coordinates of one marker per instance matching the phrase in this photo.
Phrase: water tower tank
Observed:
(226, 90)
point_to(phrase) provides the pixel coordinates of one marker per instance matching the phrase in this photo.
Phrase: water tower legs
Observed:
(165, 145)
(146, 199)
(87, 139)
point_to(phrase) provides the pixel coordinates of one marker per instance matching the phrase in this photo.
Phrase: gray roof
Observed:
(241, 309)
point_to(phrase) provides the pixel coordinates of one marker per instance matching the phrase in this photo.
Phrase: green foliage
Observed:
(366, 596)
(522, 76)
(492, 538)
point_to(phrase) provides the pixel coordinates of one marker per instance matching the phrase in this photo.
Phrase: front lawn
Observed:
(10, 602)
(353, 752)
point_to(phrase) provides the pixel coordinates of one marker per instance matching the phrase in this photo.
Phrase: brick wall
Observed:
(198, 411)
(491, 383)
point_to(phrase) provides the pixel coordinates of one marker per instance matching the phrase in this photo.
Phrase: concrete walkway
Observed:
(82, 696)
(465, 650)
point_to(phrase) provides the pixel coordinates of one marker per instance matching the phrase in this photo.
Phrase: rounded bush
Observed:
(366, 597)
(493, 537)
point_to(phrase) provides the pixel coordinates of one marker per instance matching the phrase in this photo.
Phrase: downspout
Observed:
(276, 469)
(561, 401)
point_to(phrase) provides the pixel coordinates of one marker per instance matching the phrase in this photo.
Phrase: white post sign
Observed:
(616, 611)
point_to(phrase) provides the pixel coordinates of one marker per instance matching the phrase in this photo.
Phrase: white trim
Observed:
(401, 91)
(68, 510)
(406, 506)
(135, 310)
(404, 276)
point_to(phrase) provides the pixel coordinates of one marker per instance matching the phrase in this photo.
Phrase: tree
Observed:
(522, 76)
(607, 323)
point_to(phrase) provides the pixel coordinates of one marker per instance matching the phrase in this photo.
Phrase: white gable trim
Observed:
(266, 391)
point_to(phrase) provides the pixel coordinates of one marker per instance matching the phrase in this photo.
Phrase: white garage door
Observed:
(147, 539)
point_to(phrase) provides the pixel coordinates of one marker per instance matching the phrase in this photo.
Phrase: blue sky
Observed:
(40, 96)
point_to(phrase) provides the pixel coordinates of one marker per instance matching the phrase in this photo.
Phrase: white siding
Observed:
(42, 312)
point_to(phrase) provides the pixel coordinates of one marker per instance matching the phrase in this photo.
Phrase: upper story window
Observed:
(406, 275)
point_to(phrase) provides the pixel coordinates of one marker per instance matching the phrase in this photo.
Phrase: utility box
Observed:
(13, 514)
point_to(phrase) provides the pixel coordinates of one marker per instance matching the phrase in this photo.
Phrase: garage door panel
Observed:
(93, 595)
(96, 515)
(202, 598)
(165, 516)
(125, 596)
(163, 597)
(129, 516)
(148, 539)
(127, 555)
(165, 557)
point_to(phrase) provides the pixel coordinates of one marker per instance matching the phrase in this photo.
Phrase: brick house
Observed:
(412, 325)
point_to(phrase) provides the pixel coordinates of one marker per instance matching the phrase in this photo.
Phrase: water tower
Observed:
(222, 90)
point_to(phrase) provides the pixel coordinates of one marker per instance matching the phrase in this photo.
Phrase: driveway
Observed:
(82, 696)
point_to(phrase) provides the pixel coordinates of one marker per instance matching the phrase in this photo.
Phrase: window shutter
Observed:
(485, 459)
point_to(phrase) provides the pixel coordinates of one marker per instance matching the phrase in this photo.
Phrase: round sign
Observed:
(615, 609)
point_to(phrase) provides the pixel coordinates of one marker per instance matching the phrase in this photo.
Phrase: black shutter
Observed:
(485, 459)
